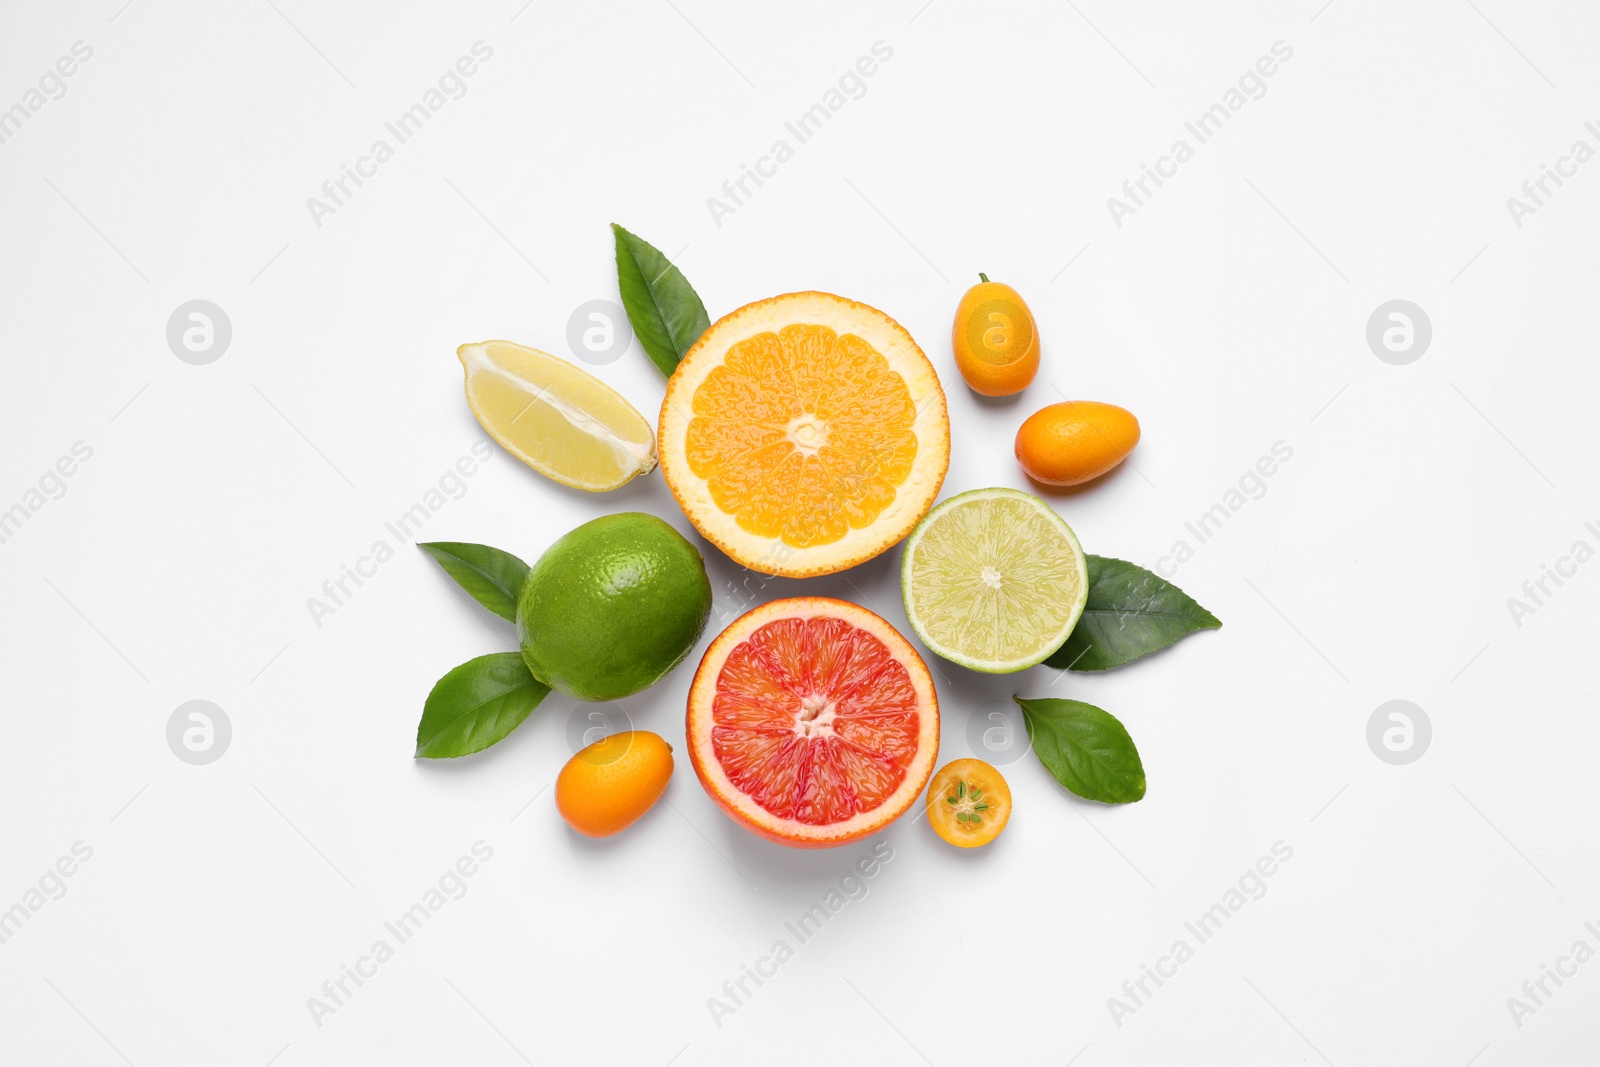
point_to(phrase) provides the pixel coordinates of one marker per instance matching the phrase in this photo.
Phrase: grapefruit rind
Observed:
(913, 497)
(744, 810)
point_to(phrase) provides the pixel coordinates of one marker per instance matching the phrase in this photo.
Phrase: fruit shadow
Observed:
(962, 692)
(998, 402)
(948, 854)
(628, 839)
(772, 868)
(647, 492)
(1110, 476)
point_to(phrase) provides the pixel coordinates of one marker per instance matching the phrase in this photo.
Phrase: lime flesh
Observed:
(994, 580)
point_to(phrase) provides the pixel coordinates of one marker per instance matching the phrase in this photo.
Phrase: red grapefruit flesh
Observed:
(812, 722)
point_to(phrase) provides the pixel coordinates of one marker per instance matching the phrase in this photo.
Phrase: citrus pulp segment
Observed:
(994, 580)
(812, 722)
(804, 434)
(562, 421)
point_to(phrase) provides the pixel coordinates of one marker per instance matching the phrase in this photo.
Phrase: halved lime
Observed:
(994, 580)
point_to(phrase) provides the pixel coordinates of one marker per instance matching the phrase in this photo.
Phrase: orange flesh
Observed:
(802, 434)
(814, 720)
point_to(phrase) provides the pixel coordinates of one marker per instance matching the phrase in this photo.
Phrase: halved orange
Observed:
(804, 434)
(812, 722)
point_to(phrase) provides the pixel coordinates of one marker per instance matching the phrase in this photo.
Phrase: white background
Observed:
(1229, 313)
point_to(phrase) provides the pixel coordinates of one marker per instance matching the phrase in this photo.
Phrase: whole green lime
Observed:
(613, 606)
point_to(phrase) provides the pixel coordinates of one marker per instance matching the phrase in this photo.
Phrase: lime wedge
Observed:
(557, 418)
(994, 580)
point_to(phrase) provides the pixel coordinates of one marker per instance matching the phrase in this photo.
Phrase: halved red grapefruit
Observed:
(812, 722)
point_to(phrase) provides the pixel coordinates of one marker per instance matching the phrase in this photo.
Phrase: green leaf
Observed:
(666, 313)
(476, 705)
(1130, 613)
(1086, 749)
(494, 578)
